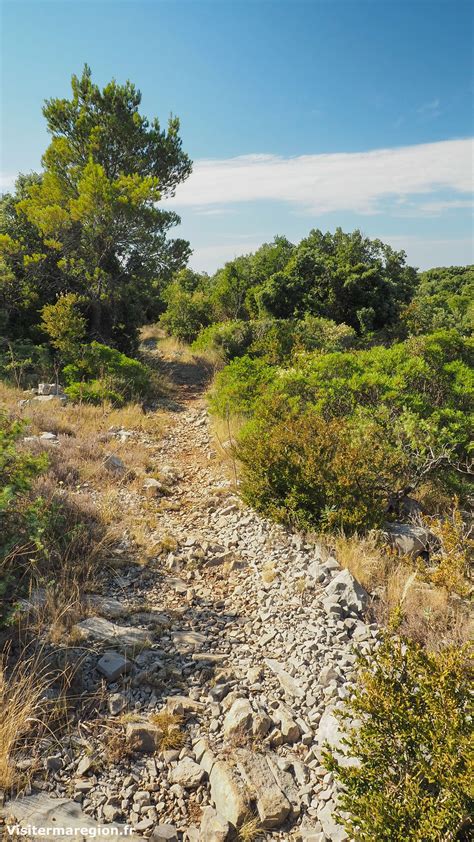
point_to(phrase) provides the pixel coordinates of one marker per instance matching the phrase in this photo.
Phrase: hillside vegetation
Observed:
(343, 389)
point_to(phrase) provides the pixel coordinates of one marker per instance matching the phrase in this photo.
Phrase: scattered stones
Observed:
(287, 682)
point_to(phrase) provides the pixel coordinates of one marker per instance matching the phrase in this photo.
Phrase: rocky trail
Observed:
(241, 638)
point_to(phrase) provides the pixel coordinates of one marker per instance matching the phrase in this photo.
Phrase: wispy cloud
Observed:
(360, 182)
(430, 109)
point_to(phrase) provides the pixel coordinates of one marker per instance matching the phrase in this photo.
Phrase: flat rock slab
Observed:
(106, 606)
(272, 805)
(42, 811)
(286, 680)
(122, 637)
(188, 639)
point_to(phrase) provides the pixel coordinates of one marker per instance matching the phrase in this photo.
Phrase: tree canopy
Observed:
(91, 223)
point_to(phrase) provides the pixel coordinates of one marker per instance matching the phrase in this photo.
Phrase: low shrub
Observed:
(413, 770)
(301, 469)
(104, 373)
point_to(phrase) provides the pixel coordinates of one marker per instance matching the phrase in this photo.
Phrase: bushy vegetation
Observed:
(411, 770)
(304, 449)
(102, 373)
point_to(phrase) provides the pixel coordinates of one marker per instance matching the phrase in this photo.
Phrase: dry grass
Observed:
(431, 615)
(171, 724)
(250, 829)
(269, 573)
(25, 717)
(365, 558)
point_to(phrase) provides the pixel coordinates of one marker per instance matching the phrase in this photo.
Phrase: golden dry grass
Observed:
(430, 614)
(24, 716)
(171, 724)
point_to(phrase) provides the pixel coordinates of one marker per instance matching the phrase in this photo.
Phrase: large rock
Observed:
(348, 591)
(183, 705)
(239, 719)
(114, 464)
(411, 540)
(125, 638)
(56, 814)
(112, 665)
(106, 606)
(272, 805)
(214, 827)
(164, 833)
(228, 792)
(143, 736)
(288, 683)
(187, 773)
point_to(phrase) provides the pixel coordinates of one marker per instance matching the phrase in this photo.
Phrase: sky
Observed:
(298, 114)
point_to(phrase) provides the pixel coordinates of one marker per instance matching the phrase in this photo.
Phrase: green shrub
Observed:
(228, 339)
(186, 314)
(443, 299)
(20, 527)
(414, 773)
(103, 373)
(408, 406)
(239, 385)
(312, 473)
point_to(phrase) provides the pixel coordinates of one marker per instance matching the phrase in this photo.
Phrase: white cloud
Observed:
(7, 182)
(323, 183)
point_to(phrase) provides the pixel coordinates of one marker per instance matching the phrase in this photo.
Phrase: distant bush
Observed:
(414, 772)
(103, 373)
(227, 339)
(187, 312)
(443, 299)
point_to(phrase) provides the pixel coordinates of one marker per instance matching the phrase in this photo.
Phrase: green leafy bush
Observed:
(18, 468)
(238, 386)
(305, 448)
(443, 299)
(187, 312)
(413, 747)
(227, 339)
(103, 373)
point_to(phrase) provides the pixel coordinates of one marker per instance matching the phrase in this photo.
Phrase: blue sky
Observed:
(301, 114)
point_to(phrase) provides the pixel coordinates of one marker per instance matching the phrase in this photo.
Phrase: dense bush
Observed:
(312, 473)
(409, 406)
(186, 314)
(414, 772)
(227, 339)
(443, 299)
(103, 373)
(239, 385)
(274, 340)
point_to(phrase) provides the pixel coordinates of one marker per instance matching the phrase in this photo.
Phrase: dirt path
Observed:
(250, 640)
